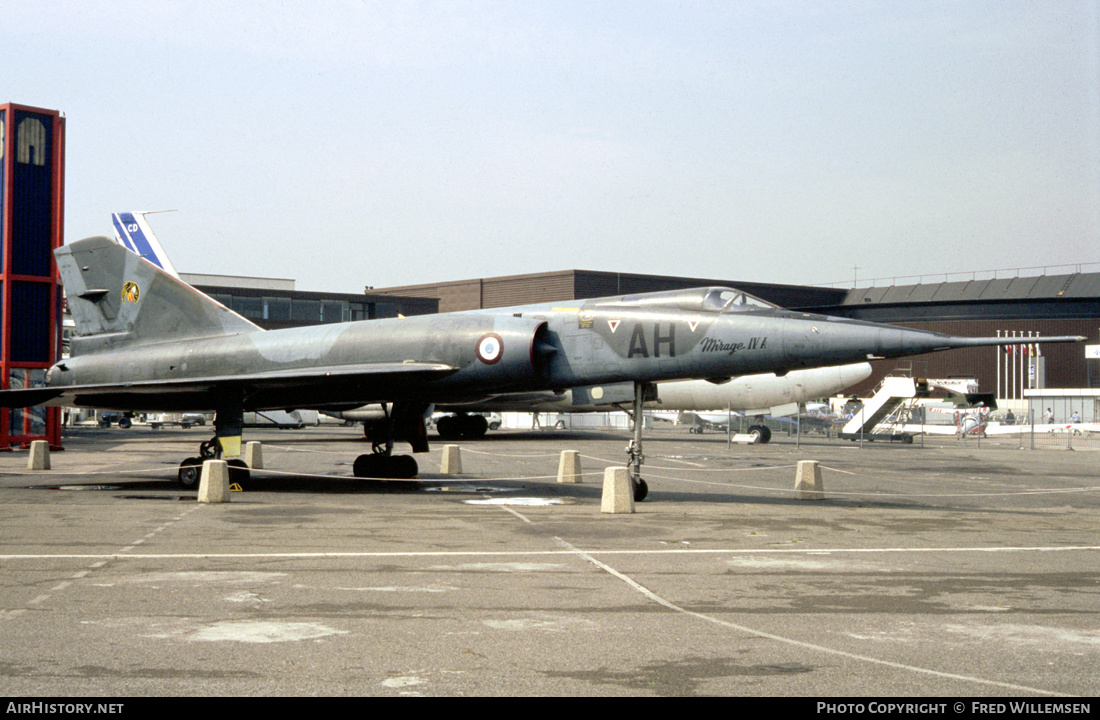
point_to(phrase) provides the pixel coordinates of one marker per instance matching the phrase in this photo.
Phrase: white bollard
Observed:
(39, 459)
(254, 455)
(807, 481)
(569, 467)
(452, 460)
(618, 491)
(214, 482)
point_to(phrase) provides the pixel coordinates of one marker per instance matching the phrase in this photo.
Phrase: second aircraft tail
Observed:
(133, 231)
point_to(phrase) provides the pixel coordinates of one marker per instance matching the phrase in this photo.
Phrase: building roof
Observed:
(1047, 287)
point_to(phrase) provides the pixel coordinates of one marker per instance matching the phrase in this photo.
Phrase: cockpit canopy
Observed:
(703, 299)
(728, 299)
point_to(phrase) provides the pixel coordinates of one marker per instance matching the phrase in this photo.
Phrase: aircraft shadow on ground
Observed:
(151, 487)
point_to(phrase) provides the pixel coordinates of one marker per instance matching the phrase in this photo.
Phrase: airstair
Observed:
(892, 393)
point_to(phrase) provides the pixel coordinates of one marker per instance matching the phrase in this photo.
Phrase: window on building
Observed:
(250, 307)
(277, 308)
(306, 311)
(333, 311)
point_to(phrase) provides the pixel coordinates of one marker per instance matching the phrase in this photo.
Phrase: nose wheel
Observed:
(635, 457)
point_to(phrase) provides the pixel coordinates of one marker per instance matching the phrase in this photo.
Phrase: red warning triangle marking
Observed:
(614, 325)
(693, 324)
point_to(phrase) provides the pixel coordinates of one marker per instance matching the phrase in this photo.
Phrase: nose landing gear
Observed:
(635, 457)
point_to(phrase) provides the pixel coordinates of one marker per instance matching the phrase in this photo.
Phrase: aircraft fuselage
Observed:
(464, 355)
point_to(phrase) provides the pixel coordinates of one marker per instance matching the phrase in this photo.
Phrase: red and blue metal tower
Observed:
(32, 195)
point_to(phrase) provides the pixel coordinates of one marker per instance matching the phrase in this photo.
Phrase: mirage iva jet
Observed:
(145, 341)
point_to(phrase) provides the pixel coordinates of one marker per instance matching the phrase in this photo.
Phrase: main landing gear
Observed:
(403, 421)
(462, 426)
(383, 464)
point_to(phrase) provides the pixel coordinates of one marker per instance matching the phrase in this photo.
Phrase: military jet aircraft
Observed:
(147, 341)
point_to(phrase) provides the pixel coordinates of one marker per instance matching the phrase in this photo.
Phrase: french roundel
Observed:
(490, 348)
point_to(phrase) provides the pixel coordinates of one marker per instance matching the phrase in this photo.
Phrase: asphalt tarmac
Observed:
(943, 570)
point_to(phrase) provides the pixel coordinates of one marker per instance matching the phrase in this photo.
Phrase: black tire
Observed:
(462, 427)
(641, 489)
(238, 471)
(366, 466)
(385, 467)
(405, 467)
(476, 426)
(763, 434)
(190, 473)
(447, 428)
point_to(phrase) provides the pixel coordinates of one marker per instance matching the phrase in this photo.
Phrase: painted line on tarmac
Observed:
(790, 641)
(509, 455)
(102, 560)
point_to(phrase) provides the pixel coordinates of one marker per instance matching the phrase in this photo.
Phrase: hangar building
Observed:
(274, 303)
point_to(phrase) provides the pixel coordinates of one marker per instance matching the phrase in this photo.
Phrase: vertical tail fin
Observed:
(117, 298)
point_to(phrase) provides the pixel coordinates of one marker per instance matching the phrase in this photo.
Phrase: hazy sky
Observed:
(346, 143)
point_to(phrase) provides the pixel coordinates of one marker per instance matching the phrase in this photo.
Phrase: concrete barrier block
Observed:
(452, 460)
(254, 455)
(618, 491)
(807, 481)
(39, 459)
(569, 467)
(745, 438)
(214, 482)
